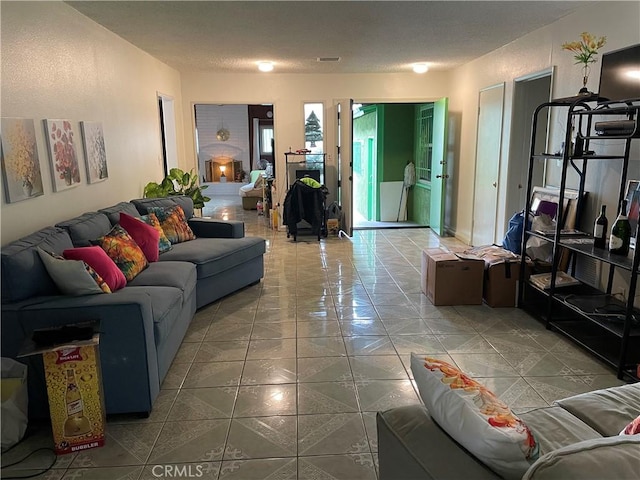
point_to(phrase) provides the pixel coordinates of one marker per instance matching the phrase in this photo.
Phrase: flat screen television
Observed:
(620, 75)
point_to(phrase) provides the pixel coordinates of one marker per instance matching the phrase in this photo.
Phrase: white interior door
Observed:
(488, 147)
(345, 162)
(168, 132)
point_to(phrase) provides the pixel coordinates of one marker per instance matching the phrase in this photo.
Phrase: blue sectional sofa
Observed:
(141, 325)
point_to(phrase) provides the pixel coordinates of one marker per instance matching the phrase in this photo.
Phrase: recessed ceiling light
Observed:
(265, 66)
(420, 67)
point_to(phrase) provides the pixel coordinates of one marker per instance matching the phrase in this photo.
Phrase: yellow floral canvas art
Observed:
(20, 161)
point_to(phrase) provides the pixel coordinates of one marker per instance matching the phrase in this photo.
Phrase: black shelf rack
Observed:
(601, 323)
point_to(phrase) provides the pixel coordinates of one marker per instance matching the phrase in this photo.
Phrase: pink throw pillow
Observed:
(144, 235)
(97, 259)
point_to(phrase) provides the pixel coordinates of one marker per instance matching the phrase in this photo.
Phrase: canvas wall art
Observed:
(95, 154)
(62, 154)
(20, 160)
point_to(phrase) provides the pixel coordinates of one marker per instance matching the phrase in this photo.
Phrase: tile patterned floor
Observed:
(282, 380)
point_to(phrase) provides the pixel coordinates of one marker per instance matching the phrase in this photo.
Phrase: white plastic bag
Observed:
(537, 248)
(15, 402)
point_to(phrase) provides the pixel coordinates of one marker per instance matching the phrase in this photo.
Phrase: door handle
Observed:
(495, 184)
(442, 176)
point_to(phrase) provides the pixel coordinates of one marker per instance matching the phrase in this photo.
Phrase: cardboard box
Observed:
(501, 284)
(74, 388)
(450, 278)
(502, 274)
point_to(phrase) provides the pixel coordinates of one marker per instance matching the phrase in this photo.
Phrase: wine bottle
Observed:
(620, 233)
(600, 229)
(76, 423)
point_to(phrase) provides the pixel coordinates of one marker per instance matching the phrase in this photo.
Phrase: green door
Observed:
(439, 166)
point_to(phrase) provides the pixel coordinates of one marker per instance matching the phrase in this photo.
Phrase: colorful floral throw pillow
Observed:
(633, 428)
(174, 223)
(72, 277)
(164, 245)
(124, 252)
(475, 417)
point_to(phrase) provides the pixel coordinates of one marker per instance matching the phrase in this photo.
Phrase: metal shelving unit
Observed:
(603, 325)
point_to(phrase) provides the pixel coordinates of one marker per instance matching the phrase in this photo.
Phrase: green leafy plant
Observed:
(178, 183)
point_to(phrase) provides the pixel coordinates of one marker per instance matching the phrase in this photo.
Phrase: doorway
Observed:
(529, 92)
(231, 142)
(386, 138)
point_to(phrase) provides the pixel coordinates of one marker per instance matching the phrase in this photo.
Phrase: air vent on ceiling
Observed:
(328, 59)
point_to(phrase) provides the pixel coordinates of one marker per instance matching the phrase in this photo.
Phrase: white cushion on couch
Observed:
(473, 416)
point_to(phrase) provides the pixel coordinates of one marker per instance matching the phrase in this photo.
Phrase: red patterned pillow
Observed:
(124, 252)
(144, 235)
(633, 428)
(174, 223)
(97, 259)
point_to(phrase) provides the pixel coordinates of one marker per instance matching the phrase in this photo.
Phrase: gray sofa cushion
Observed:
(88, 226)
(412, 446)
(603, 458)
(181, 275)
(555, 428)
(606, 411)
(113, 213)
(23, 273)
(143, 204)
(215, 255)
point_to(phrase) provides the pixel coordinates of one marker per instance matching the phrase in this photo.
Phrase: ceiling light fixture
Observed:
(420, 67)
(265, 66)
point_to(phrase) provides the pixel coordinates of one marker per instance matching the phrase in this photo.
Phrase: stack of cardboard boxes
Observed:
(469, 276)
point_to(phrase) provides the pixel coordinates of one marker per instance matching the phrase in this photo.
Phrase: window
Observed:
(314, 127)
(424, 142)
(266, 140)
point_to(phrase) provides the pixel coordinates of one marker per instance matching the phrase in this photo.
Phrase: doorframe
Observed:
(168, 132)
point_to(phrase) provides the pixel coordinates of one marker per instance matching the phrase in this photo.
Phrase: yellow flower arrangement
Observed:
(21, 162)
(586, 49)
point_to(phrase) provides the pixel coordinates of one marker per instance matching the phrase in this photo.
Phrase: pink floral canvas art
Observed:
(20, 161)
(62, 153)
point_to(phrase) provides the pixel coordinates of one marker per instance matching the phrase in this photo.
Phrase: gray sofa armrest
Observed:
(603, 458)
(211, 228)
(411, 446)
(127, 345)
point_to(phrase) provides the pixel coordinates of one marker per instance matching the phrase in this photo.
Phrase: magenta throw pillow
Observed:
(97, 259)
(144, 235)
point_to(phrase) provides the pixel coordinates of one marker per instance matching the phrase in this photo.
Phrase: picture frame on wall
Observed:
(65, 171)
(95, 155)
(632, 195)
(20, 160)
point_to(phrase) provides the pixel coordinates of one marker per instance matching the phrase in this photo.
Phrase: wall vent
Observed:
(328, 59)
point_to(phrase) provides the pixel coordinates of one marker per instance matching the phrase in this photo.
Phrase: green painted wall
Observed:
(397, 148)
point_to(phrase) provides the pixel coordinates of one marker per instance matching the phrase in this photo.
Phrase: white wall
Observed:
(618, 21)
(56, 63)
(288, 93)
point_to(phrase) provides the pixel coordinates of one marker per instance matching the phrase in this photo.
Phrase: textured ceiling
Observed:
(369, 37)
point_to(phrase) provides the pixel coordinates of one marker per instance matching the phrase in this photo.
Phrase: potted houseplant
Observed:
(178, 182)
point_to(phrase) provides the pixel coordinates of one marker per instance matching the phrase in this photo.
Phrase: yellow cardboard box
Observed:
(74, 388)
